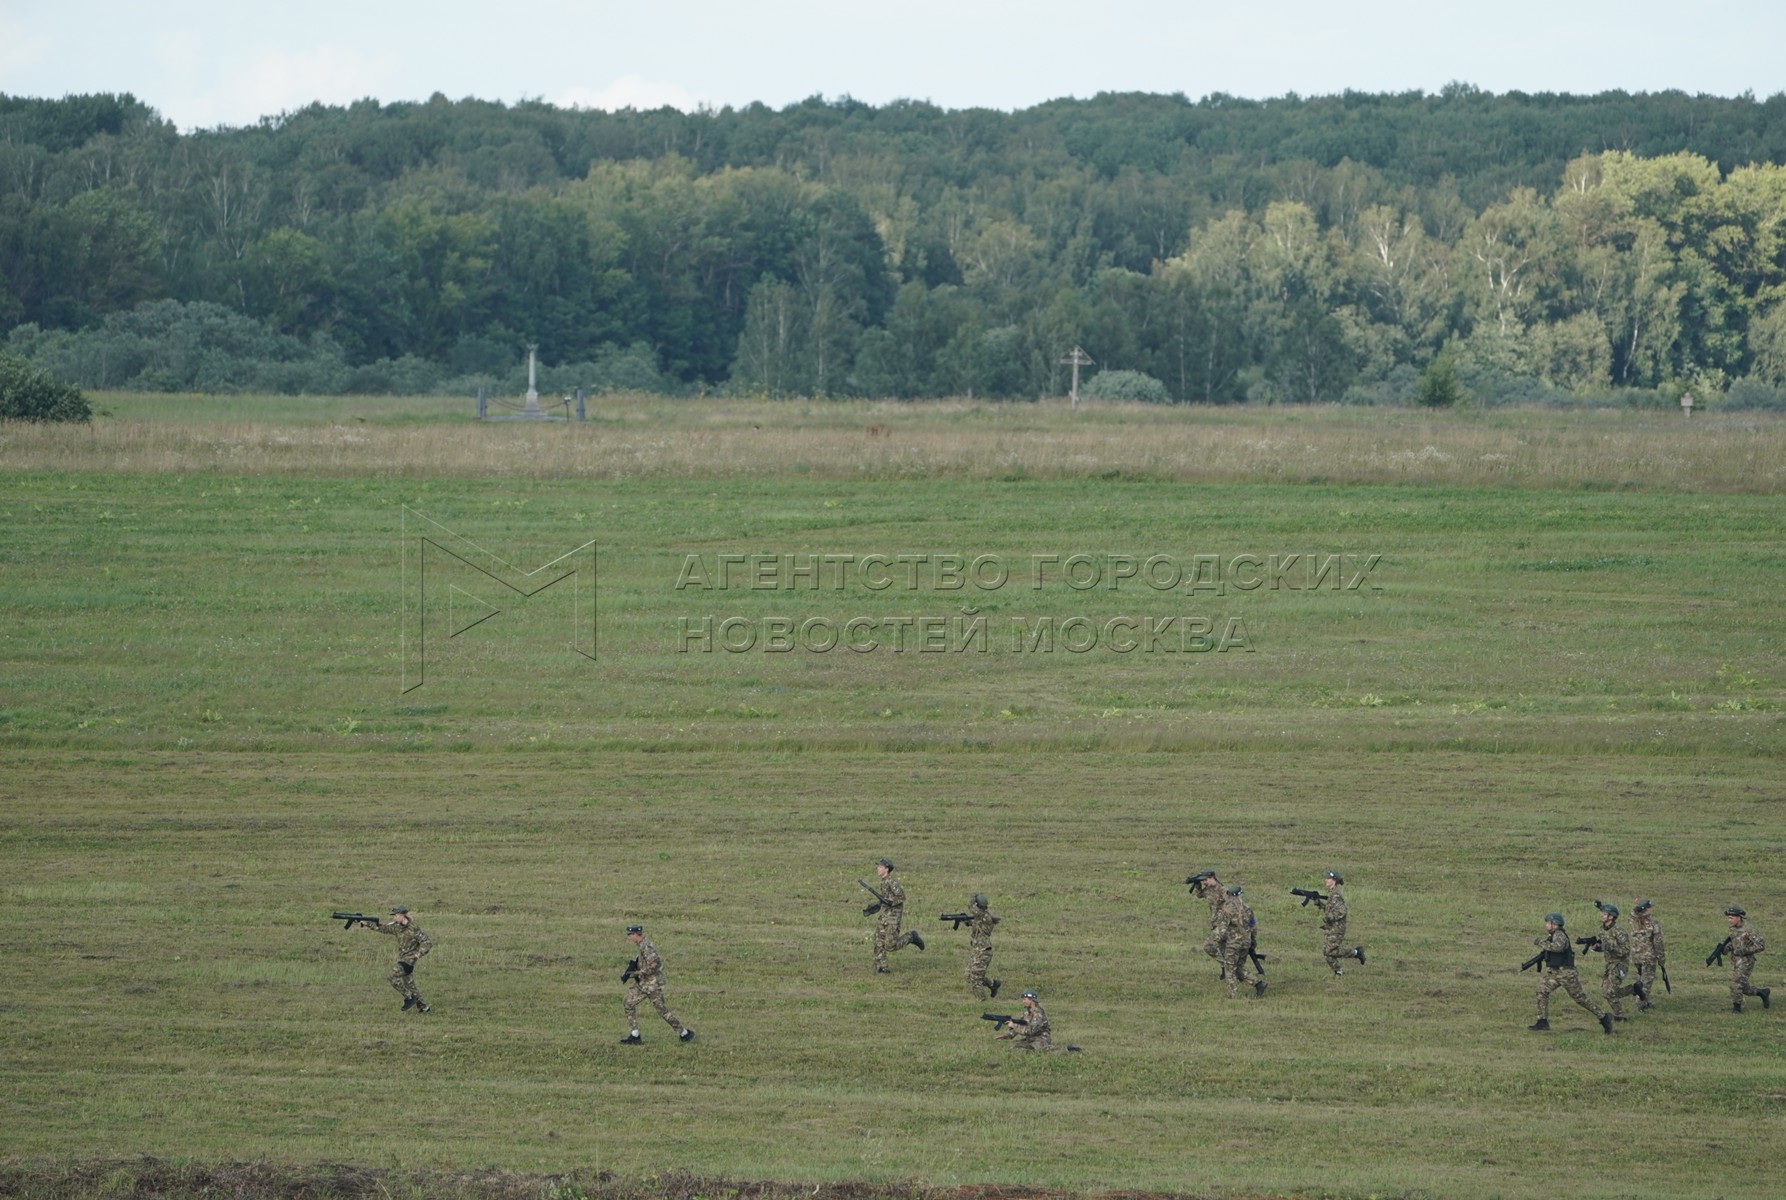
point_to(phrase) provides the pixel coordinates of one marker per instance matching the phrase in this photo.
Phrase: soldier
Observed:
(1647, 952)
(979, 951)
(887, 937)
(1333, 924)
(1035, 1033)
(1745, 944)
(1240, 936)
(1205, 886)
(1615, 944)
(646, 973)
(1557, 959)
(412, 943)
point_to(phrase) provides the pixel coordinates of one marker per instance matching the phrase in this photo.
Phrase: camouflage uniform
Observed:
(1037, 1035)
(1647, 953)
(887, 937)
(1615, 944)
(979, 948)
(412, 943)
(648, 984)
(1210, 889)
(1333, 930)
(1239, 935)
(1745, 944)
(1559, 972)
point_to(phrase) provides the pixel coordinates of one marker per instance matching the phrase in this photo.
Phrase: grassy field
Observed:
(1560, 683)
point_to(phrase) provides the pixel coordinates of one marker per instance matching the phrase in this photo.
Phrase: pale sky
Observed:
(204, 63)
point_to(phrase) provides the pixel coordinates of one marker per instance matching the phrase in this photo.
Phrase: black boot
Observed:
(1606, 1022)
(1540, 1025)
(917, 940)
(993, 987)
(687, 1035)
(408, 1003)
(1764, 993)
(422, 1005)
(1737, 1007)
(632, 1039)
(1359, 951)
(1259, 988)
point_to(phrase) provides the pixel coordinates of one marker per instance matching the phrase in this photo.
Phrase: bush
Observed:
(1439, 386)
(1754, 394)
(28, 394)
(1126, 385)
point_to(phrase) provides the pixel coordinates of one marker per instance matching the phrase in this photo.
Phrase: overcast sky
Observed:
(203, 63)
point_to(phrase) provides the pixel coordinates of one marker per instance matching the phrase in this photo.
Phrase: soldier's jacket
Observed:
(1334, 911)
(1615, 944)
(894, 893)
(1745, 942)
(651, 967)
(1646, 942)
(1559, 955)
(412, 943)
(979, 930)
(1237, 922)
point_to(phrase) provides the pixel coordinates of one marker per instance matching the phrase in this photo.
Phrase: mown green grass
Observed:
(205, 746)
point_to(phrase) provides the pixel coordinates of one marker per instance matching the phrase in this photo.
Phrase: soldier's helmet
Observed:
(1335, 876)
(1030, 996)
(635, 929)
(1611, 910)
(1554, 918)
(1643, 906)
(400, 909)
(1736, 910)
(978, 901)
(1235, 890)
(884, 862)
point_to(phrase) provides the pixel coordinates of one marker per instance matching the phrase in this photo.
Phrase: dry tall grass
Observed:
(641, 438)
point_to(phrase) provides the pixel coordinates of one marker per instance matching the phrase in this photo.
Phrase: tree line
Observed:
(1211, 251)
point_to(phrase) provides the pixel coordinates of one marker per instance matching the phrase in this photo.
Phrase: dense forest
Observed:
(1346, 247)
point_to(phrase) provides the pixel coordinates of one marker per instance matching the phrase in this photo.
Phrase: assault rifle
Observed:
(1589, 943)
(1532, 961)
(1665, 982)
(1716, 957)
(880, 901)
(1307, 896)
(1000, 1020)
(960, 918)
(632, 969)
(1196, 882)
(1252, 953)
(351, 919)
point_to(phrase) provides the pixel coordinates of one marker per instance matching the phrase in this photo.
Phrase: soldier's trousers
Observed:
(403, 979)
(887, 938)
(1613, 988)
(1239, 969)
(637, 993)
(1646, 974)
(1741, 967)
(979, 959)
(1570, 982)
(1333, 947)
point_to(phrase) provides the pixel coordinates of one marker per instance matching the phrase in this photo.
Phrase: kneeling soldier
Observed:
(1558, 959)
(646, 973)
(1034, 1032)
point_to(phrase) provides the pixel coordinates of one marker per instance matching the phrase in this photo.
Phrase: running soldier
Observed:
(412, 943)
(979, 949)
(1240, 937)
(1556, 958)
(1615, 944)
(644, 976)
(1333, 924)
(1205, 886)
(1744, 945)
(1647, 952)
(887, 937)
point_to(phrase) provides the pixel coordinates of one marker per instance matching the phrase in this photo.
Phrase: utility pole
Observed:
(1078, 358)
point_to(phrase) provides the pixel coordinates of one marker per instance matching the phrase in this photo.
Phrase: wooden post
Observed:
(1687, 404)
(1078, 358)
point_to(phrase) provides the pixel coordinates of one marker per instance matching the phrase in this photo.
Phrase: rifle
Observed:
(1716, 957)
(1665, 982)
(1307, 896)
(352, 919)
(880, 901)
(960, 918)
(1532, 961)
(1589, 943)
(1000, 1020)
(632, 969)
(1196, 882)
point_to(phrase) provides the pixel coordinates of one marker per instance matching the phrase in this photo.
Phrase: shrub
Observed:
(1126, 385)
(28, 394)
